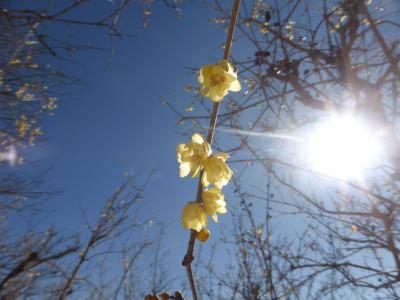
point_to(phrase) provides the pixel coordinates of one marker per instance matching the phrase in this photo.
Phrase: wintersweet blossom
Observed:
(217, 80)
(193, 155)
(194, 216)
(214, 202)
(216, 171)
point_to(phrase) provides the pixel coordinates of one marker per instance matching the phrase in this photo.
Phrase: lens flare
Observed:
(342, 148)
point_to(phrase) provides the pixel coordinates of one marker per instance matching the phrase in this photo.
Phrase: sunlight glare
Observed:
(343, 148)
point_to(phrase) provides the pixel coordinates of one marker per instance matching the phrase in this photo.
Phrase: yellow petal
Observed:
(204, 72)
(179, 150)
(214, 202)
(204, 180)
(197, 138)
(222, 210)
(229, 69)
(226, 65)
(235, 86)
(218, 184)
(216, 94)
(184, 169)
(195, 169)
(215, 218)
(217, 69)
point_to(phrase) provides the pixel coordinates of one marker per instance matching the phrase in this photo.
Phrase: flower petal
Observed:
(197, 138)
(215, 218)
(204, 72)
(179, 150)
(204, 179)
(235, 86)
(184, 169)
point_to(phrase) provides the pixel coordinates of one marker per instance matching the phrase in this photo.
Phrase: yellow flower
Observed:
(193, 155)
(194, 216)
(214, 202)
(217, 80)
(23, 126)
(203, 235)
(216, 171)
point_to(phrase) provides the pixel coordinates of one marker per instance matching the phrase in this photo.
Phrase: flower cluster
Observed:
(196, 159)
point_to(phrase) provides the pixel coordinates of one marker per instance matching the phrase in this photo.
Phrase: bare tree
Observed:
(54, 265)
(301, 62)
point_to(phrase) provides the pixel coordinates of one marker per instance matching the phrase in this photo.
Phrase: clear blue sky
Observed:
(117, 122)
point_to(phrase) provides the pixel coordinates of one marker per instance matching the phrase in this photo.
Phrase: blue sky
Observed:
(116, 123)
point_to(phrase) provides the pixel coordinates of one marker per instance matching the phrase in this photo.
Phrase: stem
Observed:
(187, 260)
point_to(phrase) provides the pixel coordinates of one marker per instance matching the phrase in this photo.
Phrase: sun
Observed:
(342, 147)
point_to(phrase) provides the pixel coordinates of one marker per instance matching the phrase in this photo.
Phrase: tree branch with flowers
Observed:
(195, 157)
